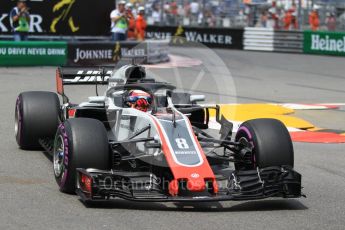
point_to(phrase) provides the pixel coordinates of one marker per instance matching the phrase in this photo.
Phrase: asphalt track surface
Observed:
(29, 197)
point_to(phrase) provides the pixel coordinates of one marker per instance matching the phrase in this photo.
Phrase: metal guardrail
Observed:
(288, 41)
(259, 39)
(265, 39)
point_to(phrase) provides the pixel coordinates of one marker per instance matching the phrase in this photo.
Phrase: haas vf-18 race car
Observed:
(108, 148)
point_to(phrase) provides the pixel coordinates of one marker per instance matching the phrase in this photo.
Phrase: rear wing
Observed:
(81, 76)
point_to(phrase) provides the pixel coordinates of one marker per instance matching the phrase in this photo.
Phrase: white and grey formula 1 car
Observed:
(104, 149)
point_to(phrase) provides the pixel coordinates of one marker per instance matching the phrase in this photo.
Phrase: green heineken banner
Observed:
(328, 43)
(32, 53)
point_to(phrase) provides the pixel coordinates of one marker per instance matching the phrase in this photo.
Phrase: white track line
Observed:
(213, 124)
(314, 106)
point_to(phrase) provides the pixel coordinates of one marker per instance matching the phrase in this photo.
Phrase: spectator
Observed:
(156, 14)
(131, 34)
(210, 19)
(263, 19)
(141, 24)
(119, 22)
(194, 10)
(294, 20)
(180, 14)
(314, 20)
(166, 13)
(290, 20)
(20, 21)
(331, 22)
(273, 18)
(186, 9)
(134, 9)
(287, 20)
(242, 18)
(200, 18)
(248, 15)
(173, 12)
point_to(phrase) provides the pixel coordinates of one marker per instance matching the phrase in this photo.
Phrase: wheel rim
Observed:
(253, 153)
(59, 157)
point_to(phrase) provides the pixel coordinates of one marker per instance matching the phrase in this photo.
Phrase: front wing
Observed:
(262, 183)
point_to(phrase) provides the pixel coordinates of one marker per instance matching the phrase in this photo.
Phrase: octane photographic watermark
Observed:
(152, 183)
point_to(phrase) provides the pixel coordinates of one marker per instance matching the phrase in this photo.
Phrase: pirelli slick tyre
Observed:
(272, 145)
(79, 143)
(36, 116)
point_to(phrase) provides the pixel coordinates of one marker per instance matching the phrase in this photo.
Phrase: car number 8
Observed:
(182, 143)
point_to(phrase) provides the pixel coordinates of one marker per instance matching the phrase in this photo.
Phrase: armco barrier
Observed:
(261, 39)
(288, 41)
(327, 43)
(265, 39)
(109, 53)
(32, 53)
(211, 37)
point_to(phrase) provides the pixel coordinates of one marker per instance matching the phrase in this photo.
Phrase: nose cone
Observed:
(196, 184)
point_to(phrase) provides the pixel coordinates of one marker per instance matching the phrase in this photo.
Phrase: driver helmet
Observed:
(139, 100)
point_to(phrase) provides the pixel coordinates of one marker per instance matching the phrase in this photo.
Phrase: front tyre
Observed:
(272, 145)
(79, 143)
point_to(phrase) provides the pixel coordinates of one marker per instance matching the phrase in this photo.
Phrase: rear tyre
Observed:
(36, 116)
(79, 143)
(271, 141)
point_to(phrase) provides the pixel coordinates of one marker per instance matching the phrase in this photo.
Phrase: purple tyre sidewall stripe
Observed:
(250, 136)
(246, 130)
(19, 120)
(62, 131)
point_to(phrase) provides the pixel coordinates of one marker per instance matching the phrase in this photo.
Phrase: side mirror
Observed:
(196, 98)
(153, 145)
(96, 99)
